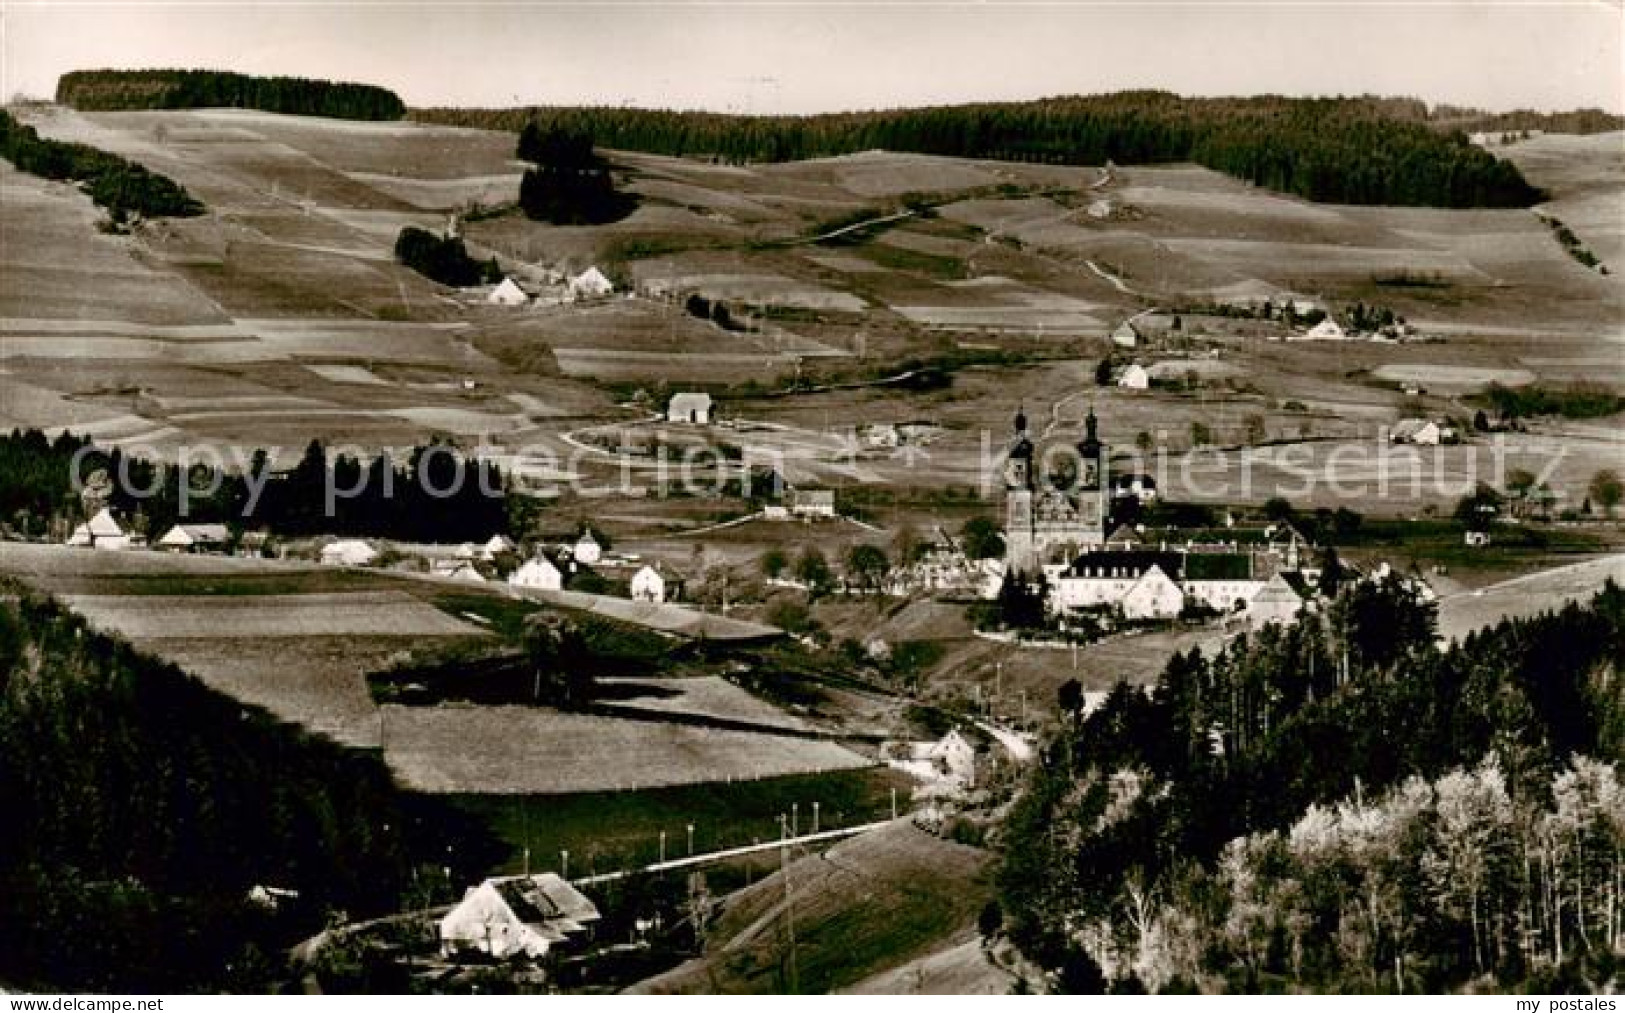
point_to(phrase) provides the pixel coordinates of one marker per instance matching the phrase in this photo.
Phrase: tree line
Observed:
(143, 808)
(435, 494)
(114, 90)
(1342, 150)
(112, 181)
(1339, 805)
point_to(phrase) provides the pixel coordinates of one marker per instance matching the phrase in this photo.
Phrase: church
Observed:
(1056, 502)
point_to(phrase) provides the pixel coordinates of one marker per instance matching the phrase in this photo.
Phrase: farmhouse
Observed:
(1279, 601)
(691, 408)
(507, 294)
(655, 583)
(195, 538)
(1134, 377)
(1126, 335)
(1421, 433)
(590, 284)
(538, 573)
(813, 503)
(103, 531)
(1327, 330)
(348, 552)
(517, 917)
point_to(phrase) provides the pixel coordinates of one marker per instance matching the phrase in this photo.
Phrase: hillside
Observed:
(866, 905)
(280, 314)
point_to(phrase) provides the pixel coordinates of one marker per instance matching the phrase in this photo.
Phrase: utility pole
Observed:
(662, 847)
(564, 863)
(815, 818)
(795, 819)
(789, 905)
(691, 840)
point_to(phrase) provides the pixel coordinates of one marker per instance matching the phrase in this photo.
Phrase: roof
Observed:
(507, 292)
(498, 543)
(545, 900)
(1283, 588)
(1134, 561)
(192, 534)
(660, 570)
(1406, 428)
(814, 496)
(1219, 566)
(689, 399)
(104, 524)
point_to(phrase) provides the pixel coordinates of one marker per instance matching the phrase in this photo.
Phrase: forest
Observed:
(1340, 806)
(112, 181)
(434, 494)
(1342, 150)
(142, 808)
(115, 90)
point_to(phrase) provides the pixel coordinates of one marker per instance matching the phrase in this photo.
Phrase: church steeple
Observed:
(1091, 437)
(1021, 420)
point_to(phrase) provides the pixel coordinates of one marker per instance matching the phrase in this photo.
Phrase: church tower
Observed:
(1018, 498)
(1094, 485)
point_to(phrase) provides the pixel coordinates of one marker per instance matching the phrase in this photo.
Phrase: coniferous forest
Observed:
(1340, 806)
(112, 181)
(113, 90)
(569, 184)
(1342, 150)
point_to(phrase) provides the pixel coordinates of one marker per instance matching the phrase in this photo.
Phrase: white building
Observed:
(1280, 600)
(348, 552)
(103, 531)
(1153, 596)
(507, 294)
(195, 538)
(690, 408)
(590, 284)
(813, 503)
(655, 583)
(538, 573)
(587, 550)
(1126, 336)
(1134, 377)
(517, 917)
(1327, 330)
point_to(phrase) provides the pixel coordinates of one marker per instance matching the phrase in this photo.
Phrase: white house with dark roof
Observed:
(1280, 600)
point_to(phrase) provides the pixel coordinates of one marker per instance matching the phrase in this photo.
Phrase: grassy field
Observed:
(864, 906)
(1530, 594)
(522, 751)
(606, 831)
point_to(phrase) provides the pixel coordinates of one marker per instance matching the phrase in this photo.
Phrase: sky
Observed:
(767, 56)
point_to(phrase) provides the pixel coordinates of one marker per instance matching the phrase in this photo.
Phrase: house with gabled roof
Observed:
(103, 531)
(656, 582)
(590, 284)
(508, 294)
(538, 573)
(1280, 600)
(518, 917)
(195, 538)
